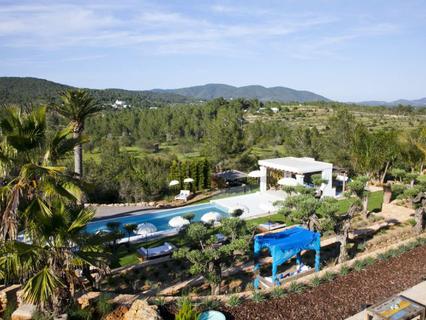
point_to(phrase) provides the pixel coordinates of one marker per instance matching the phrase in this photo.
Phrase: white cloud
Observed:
(163, 30)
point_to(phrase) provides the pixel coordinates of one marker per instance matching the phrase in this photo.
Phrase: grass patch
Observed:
(258, 297)
(278, 292)
(375, 202)
(234, 301)
(276, 218)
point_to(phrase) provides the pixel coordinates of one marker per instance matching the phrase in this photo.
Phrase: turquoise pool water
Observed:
(158, 218)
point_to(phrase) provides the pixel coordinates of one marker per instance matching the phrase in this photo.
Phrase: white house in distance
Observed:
(299, 169)
(120, 104)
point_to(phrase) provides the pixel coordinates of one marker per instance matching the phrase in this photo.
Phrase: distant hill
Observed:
(33, 90)
(415, 103)
(211, 91)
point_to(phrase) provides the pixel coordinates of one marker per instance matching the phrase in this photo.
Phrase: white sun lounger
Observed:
(183, 195)
(163, 250)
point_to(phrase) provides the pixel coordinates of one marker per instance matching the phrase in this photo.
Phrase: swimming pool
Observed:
(158, 218)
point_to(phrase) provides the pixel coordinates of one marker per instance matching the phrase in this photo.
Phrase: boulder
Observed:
(118, 313)
(87, 299)
(141, 310)
(24, 312)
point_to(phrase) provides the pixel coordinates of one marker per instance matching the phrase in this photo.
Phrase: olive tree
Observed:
(208, 257)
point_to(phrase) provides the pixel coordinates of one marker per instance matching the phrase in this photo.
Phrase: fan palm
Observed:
(57, 246)
(77, 106)
(29, 160)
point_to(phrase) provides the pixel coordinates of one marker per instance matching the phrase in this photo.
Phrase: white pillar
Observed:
(263, 179)
(300, 179)
(327, 188)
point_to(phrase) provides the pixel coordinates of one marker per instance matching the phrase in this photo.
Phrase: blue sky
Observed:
(349, 50)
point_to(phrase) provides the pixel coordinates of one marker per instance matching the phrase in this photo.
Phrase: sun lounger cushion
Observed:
(162, 250)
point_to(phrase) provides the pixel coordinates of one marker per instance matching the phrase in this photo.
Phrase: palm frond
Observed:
(41, 287)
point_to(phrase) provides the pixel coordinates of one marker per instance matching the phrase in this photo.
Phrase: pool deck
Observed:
(253, 204)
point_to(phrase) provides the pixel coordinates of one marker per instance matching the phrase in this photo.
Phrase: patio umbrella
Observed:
(288, 182)
(178, 222)
(173, 183)
(145, 229)
(255, 174)
(210, 217)
(188, 180)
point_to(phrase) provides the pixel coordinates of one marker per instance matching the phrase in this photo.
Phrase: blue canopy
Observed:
(285, 244)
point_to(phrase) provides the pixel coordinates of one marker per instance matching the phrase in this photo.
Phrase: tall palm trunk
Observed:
(78, 152)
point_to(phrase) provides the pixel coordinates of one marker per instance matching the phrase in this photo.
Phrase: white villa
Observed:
(272, 174)
(299, 169)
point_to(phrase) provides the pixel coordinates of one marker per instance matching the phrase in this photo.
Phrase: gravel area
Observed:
(344, 296)
(337, 299)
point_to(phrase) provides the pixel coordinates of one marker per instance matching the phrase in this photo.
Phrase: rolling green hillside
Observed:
(211, 91)
(33, 90)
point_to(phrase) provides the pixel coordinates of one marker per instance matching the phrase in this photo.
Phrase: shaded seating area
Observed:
(183, 195)
(284, 245)
(155, 252)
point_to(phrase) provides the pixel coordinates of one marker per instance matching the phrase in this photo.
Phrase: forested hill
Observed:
(33, 90)
(211, 91)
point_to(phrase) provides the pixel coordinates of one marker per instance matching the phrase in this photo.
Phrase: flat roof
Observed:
(296, 165)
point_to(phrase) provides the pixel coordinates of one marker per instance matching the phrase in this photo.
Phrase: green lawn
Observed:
(277, 217)
(375, 202)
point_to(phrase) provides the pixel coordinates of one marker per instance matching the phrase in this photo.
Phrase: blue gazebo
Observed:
(286, 244)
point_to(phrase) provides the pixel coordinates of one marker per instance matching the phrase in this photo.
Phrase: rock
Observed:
(86, 299)
(141, 310)
(151, 204)
(61, 317)
(24, 312)
(117, 314)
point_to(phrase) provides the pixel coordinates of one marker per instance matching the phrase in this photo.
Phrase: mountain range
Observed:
(34, 90)
(415, 103)
(215, 90)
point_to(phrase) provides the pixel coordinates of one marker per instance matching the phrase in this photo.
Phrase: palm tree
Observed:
(47, 263)
(77, 106)
(29, 163)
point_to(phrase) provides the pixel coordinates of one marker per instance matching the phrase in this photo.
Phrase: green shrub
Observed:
(384, 256)
(80, 314)
(210, 304)
(397, 189)
(258, 296)
(359, 265)
(412, 222)
(369, 261)
(10, 307)
(393, 252)
(159, 301)
(187, 311)
(316, 281)
(328, 276)
(296, 287)
(278, 292)
(344, 270)
(103, 307)
(234, 301)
